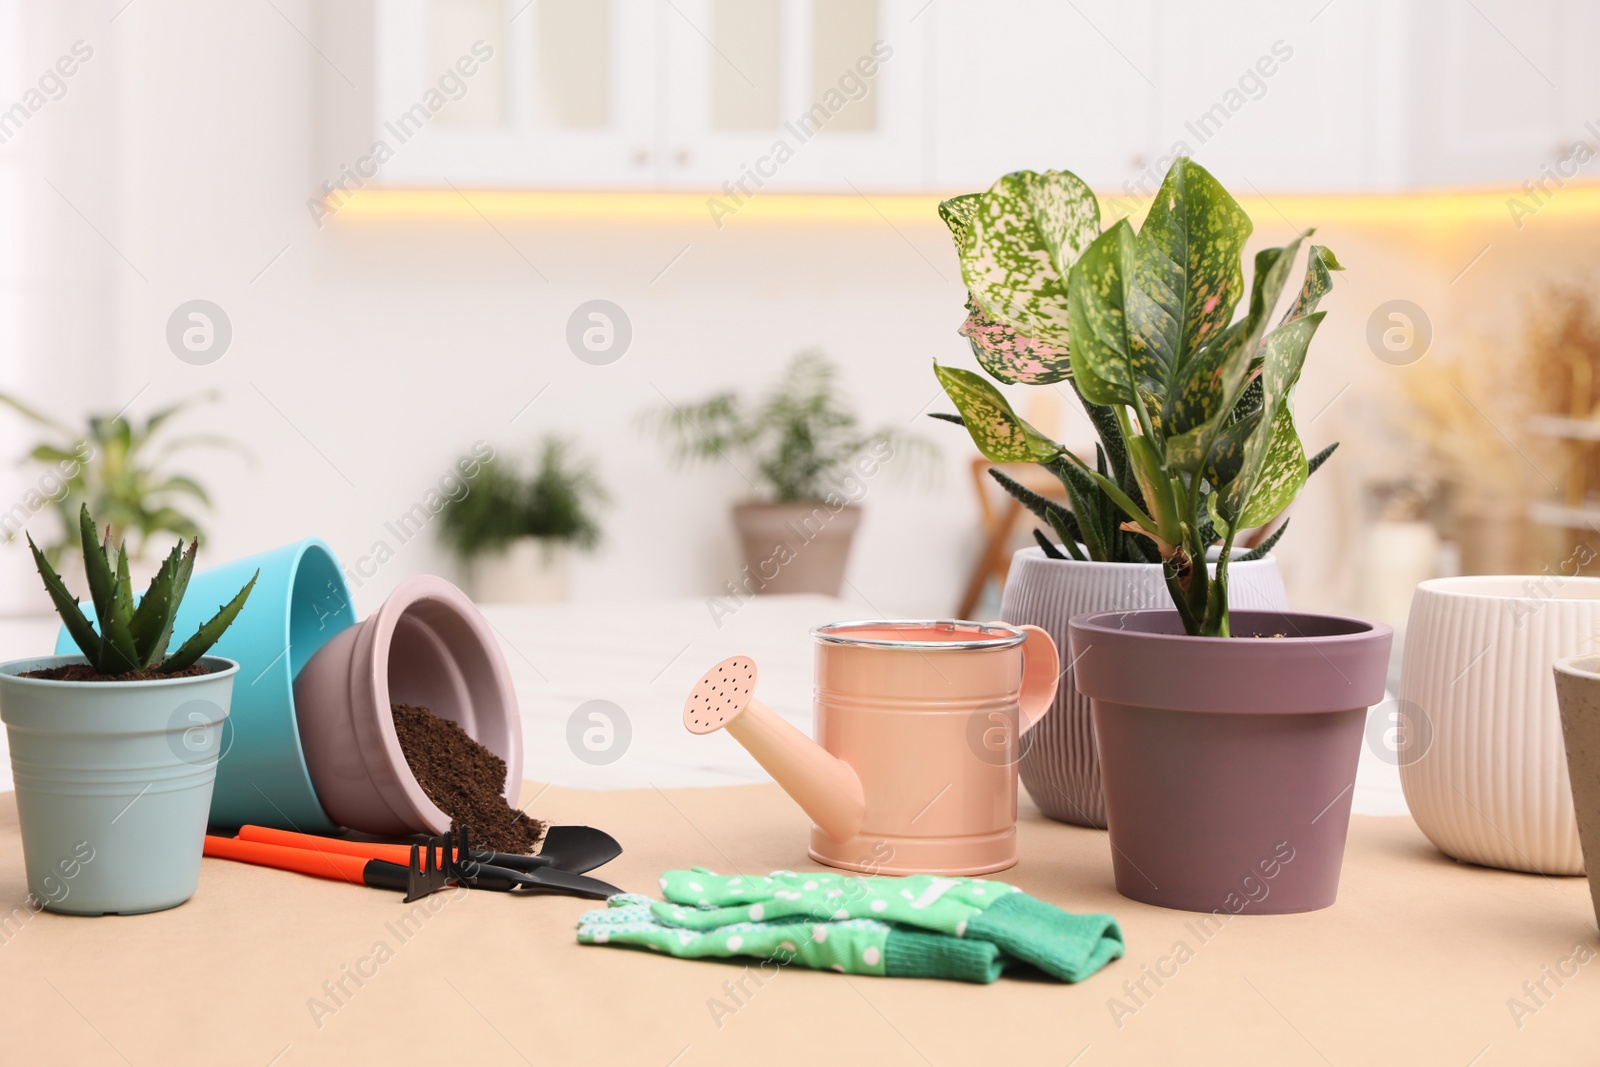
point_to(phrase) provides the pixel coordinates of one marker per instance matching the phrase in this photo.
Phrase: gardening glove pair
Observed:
(917, 926)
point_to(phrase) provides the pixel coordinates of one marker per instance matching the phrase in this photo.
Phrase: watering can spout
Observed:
(821, 783)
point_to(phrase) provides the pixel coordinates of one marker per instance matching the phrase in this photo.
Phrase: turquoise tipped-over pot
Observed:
(299, 603)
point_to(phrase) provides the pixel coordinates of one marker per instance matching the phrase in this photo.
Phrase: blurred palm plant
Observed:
(555, 503)
(118, 468)
(801, 437)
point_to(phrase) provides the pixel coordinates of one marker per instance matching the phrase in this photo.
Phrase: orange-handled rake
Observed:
(425, 871)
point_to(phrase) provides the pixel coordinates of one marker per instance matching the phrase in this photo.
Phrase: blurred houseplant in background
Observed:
(515, 526)
(1507, 434)
(1017, 243)
(118, 467)
(811, 465)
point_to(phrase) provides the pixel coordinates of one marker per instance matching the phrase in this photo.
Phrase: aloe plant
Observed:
(1199, 400)
(129, 638)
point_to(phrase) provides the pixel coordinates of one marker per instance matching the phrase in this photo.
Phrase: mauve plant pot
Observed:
(429, 646)
(1578, 690)
(795, 548)
(1228, 763)
(1058, 764)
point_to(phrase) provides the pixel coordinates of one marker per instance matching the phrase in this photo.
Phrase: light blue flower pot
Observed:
(299, 603)
(113, 783)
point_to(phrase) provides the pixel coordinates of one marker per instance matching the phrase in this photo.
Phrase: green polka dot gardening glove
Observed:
(919, 915)
(853, 946)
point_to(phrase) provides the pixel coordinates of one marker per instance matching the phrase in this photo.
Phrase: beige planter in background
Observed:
(530, 571)
(1484, 768)
(795, 548)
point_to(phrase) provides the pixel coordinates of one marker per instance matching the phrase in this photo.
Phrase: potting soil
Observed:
(464, 779)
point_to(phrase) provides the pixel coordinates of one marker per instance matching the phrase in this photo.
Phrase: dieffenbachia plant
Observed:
(1200, 400)
(129, 638)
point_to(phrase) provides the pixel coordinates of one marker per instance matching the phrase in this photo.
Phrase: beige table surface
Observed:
(1417, 963)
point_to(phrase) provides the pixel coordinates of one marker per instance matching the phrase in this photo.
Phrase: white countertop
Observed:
(643, 658)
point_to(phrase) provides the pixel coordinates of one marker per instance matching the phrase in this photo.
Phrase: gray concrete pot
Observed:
(1578, 690)
(1229, 763)
(795, 548)
(1059, 766)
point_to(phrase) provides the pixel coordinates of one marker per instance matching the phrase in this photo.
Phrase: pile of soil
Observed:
(82, 672)
(464, 779)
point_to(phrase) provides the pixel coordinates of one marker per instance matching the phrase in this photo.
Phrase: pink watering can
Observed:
(919, 729)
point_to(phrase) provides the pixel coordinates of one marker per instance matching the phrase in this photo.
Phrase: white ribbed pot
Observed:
(1487, 778)
(1059, 765)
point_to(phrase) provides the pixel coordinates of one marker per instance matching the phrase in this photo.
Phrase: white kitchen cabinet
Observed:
(751, 94)
(567, 99)
(1500, 88)
(1019, 84)
(735, 97)
(795, 94)
(1265, 96)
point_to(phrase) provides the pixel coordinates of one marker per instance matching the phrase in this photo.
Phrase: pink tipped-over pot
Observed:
(427, 646)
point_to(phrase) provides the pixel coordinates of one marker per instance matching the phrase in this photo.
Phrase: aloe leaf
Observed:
(118, 653)
(1020, 244)
(1008, 356)
(192, 649)
(153, 616)
(66, 605)
(1050, 550)
(997, 431)
(180, 586)
(1070, 525)
(96, 567)
(1261, 550)
(1320, 458)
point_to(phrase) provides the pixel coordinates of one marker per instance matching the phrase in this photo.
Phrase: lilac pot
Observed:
(1228, 763)
(429, 646)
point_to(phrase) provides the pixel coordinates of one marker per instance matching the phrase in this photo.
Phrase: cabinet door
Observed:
(793, 94)
(1025, 85)
(1498, 89)
(517, 92)
(1265, 96)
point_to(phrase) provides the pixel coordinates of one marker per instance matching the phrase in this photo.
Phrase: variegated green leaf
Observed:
(957, 213)
(1284, 355)
(1110, 362)
(1210, 382)
(1190, 250)
(1020, 244)
(1280, 476)
(1010, 357)
(1320, 262)
(996, 430)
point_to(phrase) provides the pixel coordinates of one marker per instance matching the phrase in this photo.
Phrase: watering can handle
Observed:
(1041, 673)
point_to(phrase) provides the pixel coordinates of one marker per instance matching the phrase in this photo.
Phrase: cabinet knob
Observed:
(683, 157)
(641, 158)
